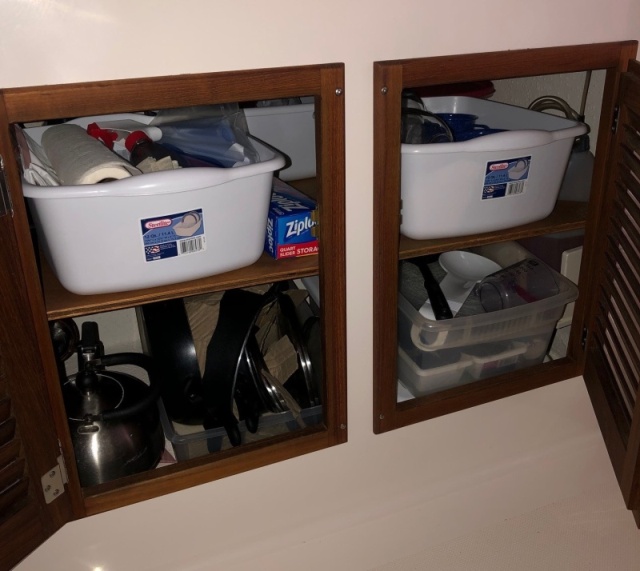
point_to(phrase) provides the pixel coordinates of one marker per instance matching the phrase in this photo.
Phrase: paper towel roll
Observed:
(78, 158)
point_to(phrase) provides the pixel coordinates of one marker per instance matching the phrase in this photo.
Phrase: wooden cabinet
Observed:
(604, 335)
(34, 436)
(612, 371)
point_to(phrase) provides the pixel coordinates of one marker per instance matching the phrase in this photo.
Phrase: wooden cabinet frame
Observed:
(28, 361)
(390, 78)
(605, 334)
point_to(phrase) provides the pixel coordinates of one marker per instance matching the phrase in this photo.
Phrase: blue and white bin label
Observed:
(173, 235)
(506, 178)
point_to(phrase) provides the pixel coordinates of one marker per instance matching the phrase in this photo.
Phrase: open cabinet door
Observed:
(29, 447)
(612, 369)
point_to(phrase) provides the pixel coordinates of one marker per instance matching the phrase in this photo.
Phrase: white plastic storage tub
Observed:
(439, 354)
(488, 183)
(291, 130)
(100, 238)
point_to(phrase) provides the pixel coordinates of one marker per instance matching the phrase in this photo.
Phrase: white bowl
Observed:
(464, 270)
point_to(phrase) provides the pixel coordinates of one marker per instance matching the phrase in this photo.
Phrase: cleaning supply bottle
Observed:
(576, 184)
(148, 155)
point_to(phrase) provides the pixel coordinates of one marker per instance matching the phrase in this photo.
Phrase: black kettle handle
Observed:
(144, 362)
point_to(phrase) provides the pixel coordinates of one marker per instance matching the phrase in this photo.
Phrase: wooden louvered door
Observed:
(28, 444)
(19, 517)
(612, 371)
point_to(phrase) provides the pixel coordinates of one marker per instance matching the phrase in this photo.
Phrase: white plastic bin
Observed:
(488, 183)
(518, 336)
(291, 130)
(96, 237)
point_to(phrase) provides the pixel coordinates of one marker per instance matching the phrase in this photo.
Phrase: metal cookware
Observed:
(113, 416)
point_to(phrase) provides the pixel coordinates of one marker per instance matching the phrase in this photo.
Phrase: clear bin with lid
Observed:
(434, 371)
(527, 328)
(491, 359)
(291, 130)
(193, 441)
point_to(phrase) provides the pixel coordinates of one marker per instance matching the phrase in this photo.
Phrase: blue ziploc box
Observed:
(291, 223)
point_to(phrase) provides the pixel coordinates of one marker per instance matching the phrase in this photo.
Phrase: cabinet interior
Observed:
(394, 408)
(321, 84)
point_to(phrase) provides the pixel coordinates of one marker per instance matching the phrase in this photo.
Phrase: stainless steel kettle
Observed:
(113, 416)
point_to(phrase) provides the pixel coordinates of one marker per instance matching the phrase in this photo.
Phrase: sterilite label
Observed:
(173, 235)
(506, 178)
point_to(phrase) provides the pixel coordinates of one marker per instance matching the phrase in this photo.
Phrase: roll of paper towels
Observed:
(78, 158)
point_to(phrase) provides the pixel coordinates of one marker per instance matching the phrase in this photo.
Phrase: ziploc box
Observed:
(291, 223)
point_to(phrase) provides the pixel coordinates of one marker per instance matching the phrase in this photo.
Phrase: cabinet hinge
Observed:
(5, 198)
(54, 480)
(614, 123)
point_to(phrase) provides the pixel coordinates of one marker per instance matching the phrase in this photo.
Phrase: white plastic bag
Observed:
(214, 133)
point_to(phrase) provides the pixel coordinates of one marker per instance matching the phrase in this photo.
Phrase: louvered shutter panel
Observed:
(21, 525)
(13, 477)
(612, 371)
(29, 445)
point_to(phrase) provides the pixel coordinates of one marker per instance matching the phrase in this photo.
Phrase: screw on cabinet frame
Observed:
(339, 91)
(384, 90)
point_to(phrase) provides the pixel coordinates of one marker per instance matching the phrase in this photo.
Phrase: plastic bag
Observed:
(217, 134)
(279, 102)
(418, 125)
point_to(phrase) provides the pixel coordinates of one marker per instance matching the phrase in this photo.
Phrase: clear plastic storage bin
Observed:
(493, 359)
(433, 373)
(194, 441)
(488, 183)
(291, 129)
(438, 354)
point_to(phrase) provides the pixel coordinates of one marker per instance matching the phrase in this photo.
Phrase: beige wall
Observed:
(376, 497)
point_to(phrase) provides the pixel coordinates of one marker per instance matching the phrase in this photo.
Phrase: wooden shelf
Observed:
(566, 216)
(308, 186)
(196, 471)
(61, 303)
(479, 392)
